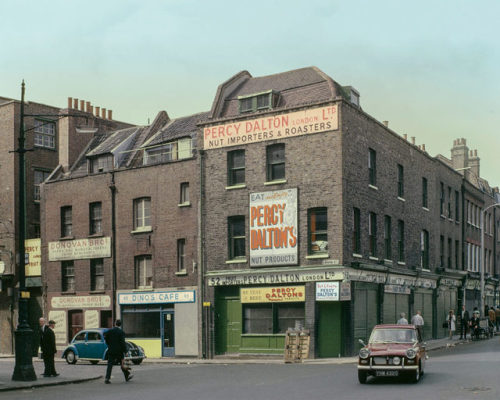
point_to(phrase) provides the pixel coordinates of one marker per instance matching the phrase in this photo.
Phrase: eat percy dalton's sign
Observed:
(273, 228)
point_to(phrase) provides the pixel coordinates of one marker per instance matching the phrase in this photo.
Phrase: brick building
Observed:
(324, 218)
(54, 135)
(130, 204)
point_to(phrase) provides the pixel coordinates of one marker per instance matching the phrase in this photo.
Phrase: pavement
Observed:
(71, 375)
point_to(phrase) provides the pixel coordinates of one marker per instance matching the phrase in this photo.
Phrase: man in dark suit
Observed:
(48, 346)
(115, 339)
(464, 323)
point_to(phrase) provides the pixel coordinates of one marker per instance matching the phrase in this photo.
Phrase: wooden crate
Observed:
(297, 345)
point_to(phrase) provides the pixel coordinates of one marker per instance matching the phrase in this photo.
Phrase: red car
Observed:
(393, 350)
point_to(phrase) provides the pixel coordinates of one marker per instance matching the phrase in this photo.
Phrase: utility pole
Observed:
(23, 370)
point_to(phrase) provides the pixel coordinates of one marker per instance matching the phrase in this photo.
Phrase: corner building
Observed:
(317, 216)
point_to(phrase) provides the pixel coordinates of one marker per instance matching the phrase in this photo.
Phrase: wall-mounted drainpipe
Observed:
(112, 188)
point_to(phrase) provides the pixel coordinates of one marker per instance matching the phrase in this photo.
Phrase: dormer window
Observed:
(257, 101)
(101, 164)
(176, 150)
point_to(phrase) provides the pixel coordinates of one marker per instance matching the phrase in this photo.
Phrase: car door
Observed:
(80, 344)
(95, 345)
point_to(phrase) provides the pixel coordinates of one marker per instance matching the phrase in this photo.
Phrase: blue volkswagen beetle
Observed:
(89, 345)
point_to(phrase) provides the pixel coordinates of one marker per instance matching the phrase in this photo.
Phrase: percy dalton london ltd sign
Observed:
(305, 122)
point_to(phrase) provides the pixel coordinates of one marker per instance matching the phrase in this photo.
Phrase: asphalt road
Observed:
(470, 371)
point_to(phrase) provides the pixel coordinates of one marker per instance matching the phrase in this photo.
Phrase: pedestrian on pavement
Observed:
(451, 323)
(493, 319)
(464, 323)
(48, 346)
(418, 321)
(497, 317)
(402, 320)
(115, 339)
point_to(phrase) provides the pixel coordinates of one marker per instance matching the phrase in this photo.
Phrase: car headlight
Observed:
(364, 353)
(396, 360)
(411, 354)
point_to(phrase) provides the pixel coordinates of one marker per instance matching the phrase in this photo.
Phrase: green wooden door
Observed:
(329, 329)
(228, 326)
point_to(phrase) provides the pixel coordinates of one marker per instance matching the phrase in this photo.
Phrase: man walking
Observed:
(48, 346)
(418, 321)
(464, 322)
(115, 339)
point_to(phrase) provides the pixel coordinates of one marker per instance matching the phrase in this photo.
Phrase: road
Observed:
(469, 371)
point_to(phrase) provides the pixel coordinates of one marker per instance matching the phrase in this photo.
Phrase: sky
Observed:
(430, 68)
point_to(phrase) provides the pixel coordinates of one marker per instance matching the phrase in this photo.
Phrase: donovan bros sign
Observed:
(273, 228)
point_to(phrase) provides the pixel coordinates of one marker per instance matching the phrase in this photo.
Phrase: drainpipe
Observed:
(112, 188)
(201, 270)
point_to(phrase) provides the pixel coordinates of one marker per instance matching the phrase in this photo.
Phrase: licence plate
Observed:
(386, 373)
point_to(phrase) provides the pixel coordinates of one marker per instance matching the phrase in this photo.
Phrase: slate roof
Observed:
(177, 128)
(111, 141)
(295, 88)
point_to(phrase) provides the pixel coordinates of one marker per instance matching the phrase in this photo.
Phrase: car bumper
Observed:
(387, 367)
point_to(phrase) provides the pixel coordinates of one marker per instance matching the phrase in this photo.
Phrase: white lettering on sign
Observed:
(80, 249)
(81, 302)
(181, 296)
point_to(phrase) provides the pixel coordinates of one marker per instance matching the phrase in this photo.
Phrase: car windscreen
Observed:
(393, 336)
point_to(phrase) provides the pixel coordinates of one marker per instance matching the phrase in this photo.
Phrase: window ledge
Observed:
(185, 204)
(401, 263)
(242, 260)
(181, 273)
(316, 256)
(67, 238)
(276, 182)
(94, 235)
(235, 187)
(401, 199)
(373, 187)
(388, 261)
(443, 216)
(373, 258)
(450, 219)
(356, 255)
(71, 293)
(142, 230)
(143, 289)
(425, 209)
(97, 291)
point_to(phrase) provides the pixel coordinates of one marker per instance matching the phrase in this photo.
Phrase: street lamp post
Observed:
(483, 211)
(23, 370)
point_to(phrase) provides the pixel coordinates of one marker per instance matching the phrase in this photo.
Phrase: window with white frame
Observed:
(142, 213)
(424, 249)
(101, 163)
(45, 134)
(181, 255)
(66, 221)
(184, 193)
(95, 218)
(97, 274)
(372, 167)
(68, 276)
(39, 178)
(372, 234)
(143, 272)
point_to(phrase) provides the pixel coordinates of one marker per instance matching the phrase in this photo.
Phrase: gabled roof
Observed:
(177, 128)
(112, 141)
(294, 88)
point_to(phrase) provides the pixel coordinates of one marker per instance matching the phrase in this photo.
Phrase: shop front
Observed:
(163, 322)
(447, 299)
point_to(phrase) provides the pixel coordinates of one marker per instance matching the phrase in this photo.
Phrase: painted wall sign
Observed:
(397, 289)
(81, 302)
(366, 276)
(345, 291)
(273, 228)
(327, 291)
(274, 278)
(60, 329)
(80, 249)
(91, 319)
(273, 294)
(271, 127)
(33, 249)
(178, 296)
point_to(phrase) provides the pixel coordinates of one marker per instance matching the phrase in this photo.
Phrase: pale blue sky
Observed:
(431, 68)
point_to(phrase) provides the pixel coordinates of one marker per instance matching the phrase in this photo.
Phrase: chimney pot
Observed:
(87, 106)
(475, 153)
(386, 123)
(103, 113)
(91, 110)
(413, 140)
(423, 147)
(405, 136)
(110, 114)
(75, 104)
(82, 105)
(97, 111)
(70, 102)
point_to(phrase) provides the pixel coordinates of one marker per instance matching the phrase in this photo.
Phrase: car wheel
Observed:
(417, 375)
(136, 362)
(362, 375)
(70, 357)
(94, 362)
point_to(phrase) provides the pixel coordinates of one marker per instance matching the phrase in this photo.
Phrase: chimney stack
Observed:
(103, 113)
(110, 114)
(413, 140)
(70, 102)
(386, 123)
(82, 105)
(97, 111)
(87, 106)
(75, 104)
